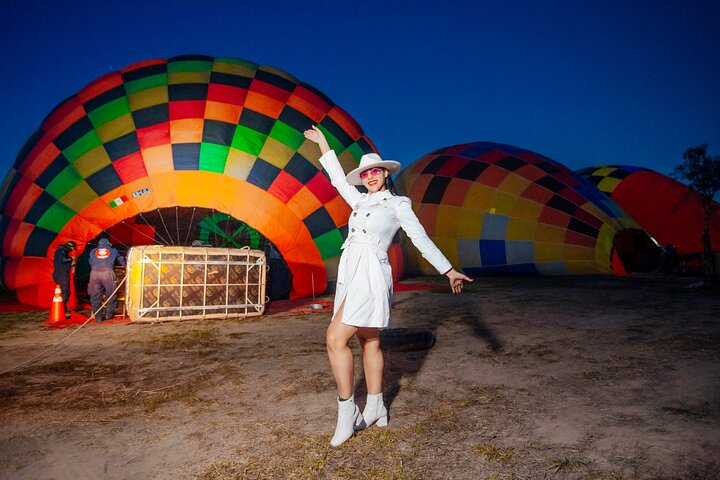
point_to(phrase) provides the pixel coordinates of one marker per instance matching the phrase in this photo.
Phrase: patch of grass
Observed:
(375, 453)
(11, 321)
(539, 351)
(303, 382)
(692, 412)
(80, 385)
(68, 384)
(481, 396)
(222, 470)
(381, 437)
(703, 472)
(593, 375)
(184, 392)
(445, 415)
(494, 453)
(7, 324)
(237, 335)
(79, 368)
(292, 457)
(560, 464)
(196, 340)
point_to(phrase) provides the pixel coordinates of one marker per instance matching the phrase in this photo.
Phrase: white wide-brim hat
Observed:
(368, 161)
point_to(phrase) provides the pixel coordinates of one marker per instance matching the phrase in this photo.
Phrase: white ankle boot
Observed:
(375, 412)
(349, 418)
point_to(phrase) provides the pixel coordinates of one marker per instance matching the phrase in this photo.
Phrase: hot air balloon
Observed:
(660, 204)
(496, 209)
(138, 149)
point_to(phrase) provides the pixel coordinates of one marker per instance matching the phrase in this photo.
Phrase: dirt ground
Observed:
(567, 378)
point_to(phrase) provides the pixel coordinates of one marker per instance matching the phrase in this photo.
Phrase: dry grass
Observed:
(565, 463)
(373, 454)
(303, 381)
(184, 341)
(78, 385)
(9, 322)
(696, 412)
(574, 393)
(494, 452)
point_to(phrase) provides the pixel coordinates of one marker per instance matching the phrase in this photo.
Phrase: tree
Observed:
(702, 173)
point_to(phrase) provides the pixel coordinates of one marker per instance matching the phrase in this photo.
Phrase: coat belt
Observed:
(366, 239)
(359, 239)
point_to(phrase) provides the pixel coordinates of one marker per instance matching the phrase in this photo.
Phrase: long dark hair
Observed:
(390, 185)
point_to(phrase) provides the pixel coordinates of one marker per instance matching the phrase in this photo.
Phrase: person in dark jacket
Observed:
(62, 265)
(102, 278)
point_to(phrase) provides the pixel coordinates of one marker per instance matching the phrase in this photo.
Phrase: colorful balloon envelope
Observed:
(223, 134)
(661, 205)
(495, 209)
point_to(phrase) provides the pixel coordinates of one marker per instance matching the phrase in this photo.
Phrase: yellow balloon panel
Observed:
(522, 213)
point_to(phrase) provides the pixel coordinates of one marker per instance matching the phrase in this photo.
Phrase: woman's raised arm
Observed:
(314, 134)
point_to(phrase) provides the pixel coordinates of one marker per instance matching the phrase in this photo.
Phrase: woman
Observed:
(364, 280)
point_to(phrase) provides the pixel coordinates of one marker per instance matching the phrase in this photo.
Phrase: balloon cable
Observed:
(189, 230)
(156, 230)
(48, 350)
(162, 220)
(177, 225)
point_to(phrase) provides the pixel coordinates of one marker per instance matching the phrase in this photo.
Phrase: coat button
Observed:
(364, 231)
(352, 229)
(367, 214)
(354, 214)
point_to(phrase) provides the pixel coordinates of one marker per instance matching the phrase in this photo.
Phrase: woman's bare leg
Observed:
(373, 361)
(341, 358)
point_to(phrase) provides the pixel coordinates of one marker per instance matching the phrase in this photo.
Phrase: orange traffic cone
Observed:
(57, 310)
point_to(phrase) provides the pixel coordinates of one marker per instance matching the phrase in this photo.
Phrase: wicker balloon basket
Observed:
(178, 283)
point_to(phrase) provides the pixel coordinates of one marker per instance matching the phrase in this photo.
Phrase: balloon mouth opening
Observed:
(190, 227)
(635, 251)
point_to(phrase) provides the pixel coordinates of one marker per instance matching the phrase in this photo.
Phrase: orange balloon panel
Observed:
(223, 135)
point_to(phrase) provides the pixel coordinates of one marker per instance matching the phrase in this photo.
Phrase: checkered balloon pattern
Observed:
(495, 209)
(190, 131)
(662, 205)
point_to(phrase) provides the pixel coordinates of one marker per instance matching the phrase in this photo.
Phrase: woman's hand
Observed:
(456, 280)
(314, 134)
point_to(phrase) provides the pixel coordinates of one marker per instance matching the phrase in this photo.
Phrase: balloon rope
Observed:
(214, 230)
(177, 225)
(189, 230)
(227, 225)
(135, 230)
(48, 350)
(162, 220)
(156, 230)
(113, 239)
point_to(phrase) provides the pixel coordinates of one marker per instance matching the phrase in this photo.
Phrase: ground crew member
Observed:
(102, 278)
(62, 264)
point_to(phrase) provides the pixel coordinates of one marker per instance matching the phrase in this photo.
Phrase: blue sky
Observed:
(585, 83)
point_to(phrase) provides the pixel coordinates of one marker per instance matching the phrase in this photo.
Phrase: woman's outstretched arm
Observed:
(315, 135)
(416, 233)
(332, 166)
(456, 280)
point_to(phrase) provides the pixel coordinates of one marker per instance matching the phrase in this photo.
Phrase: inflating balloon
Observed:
(660, 204)
(495, 209)
(221, 134)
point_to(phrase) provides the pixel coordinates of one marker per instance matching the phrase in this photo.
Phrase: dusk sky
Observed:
(585, 83)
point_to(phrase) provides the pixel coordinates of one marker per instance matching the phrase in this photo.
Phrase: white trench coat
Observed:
(364, 271)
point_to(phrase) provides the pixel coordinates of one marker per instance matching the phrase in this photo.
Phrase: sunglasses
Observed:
(375, 171)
